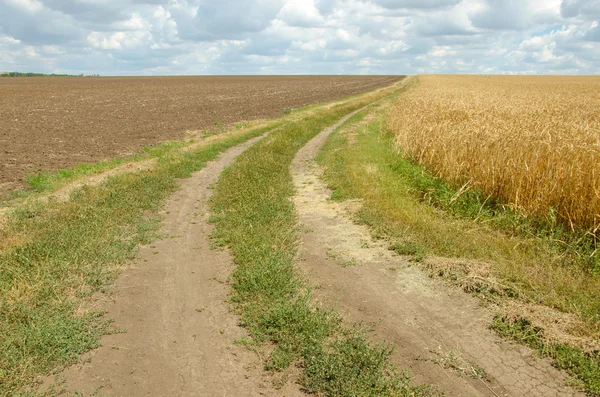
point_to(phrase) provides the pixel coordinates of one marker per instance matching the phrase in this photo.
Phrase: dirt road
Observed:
(180, 335)
(180, 338)
(428, 323)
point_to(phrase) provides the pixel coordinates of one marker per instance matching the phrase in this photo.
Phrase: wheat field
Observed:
(531, 142)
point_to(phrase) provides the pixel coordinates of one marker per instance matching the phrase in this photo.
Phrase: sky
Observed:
(207, 37)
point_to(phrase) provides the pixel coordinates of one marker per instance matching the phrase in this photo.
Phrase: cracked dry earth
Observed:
(420, 316)
(180, 338)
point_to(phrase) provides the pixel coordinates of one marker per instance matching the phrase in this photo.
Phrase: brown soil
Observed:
(180, 338)
(64, 192)
(429, 323)
(50, 123)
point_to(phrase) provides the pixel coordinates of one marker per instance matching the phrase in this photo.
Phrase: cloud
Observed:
(416, 4)
(515, 14)
(452, 22)
(215, 20)
(32, 23)
(302, 13)
(587, 9)
(148, 37)
(594, 33)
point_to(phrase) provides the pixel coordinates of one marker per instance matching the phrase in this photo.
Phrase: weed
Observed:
(307, 229)
(349, 262)
(331, 254)
(46, 181)
(242, 124)
(453, 359)
(409, 249)
(353, 367)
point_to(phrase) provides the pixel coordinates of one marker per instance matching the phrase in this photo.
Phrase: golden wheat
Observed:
(532, 142)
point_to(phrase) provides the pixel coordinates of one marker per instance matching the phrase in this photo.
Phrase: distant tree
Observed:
(30, 74)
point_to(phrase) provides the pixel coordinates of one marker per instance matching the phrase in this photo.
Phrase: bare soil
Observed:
(436, 329)
(180, 334)
(48, 123)
(64, 192)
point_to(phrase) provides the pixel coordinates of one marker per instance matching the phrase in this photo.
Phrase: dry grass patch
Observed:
(453, 359)
(479, 278)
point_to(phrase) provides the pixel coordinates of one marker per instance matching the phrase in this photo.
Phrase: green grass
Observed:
(56, 256)
(43, 182)
(397, 197)
(255, 217)
(422, 216)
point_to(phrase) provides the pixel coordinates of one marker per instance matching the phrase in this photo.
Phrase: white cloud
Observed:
(135, 22)
(302, 13)
(300, 36)
(416, 4)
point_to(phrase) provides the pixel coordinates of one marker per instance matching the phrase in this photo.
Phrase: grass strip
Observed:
(361, 163)
(48, 181)
(421, 215)
(54, 257)
(254, 216)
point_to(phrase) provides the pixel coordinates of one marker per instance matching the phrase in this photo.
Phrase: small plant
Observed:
(241, 125)
(331, 254)
(409, 249)
(453, 359)
(350, 262)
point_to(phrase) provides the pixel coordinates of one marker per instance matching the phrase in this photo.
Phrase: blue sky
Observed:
(165, 37)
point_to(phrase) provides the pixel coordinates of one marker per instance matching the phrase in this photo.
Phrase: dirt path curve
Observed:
(180, 333)
(426, 321)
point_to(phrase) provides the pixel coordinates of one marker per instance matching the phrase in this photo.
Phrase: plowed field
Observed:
(51, 123)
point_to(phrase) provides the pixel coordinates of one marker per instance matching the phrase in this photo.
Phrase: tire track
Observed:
(180, 338)
(420, 316)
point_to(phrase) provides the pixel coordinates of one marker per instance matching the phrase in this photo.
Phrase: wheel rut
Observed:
(429, 323)
(180, 334)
